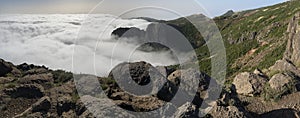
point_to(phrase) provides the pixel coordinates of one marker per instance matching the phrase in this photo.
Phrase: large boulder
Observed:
(5, 68)
(279, 81)
(188, 110)
(249, 83)
(131, 77)
(284, 65)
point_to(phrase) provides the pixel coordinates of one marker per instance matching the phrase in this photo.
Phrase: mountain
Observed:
(263, 75)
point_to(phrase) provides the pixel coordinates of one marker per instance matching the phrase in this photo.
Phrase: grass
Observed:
(61, 76)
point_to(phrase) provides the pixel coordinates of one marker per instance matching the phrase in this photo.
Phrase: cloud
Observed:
(49, 40)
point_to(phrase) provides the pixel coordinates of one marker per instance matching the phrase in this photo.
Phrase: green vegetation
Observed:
(61, 76)
(267, 24)
(272, 57)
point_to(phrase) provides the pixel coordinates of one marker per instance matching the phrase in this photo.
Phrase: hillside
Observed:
(263, 76)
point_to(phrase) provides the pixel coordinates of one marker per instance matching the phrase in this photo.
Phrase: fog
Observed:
(50, 40)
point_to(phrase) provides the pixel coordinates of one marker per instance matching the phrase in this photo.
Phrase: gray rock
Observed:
(188, 110)
(5, 68)
(249, 83)
(229, 112)
(292, 52)
(284, 65)
(280, 80)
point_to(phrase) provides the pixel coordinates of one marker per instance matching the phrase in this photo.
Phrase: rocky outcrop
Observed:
(130, 76)
(188, 110)
(281, 80)
(292, 52)
(26, 91)
(4, 68)
(132, 32)
(249, 83)
(7, 67)
(284, 65)
(39, 79)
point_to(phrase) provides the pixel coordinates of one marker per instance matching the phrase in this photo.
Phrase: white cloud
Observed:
(49, 40)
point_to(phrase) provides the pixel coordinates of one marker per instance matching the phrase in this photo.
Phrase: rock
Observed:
(284, 65)
(280, 80)
(5, 68)
(174, 77)
(138, 71)
(188, 110)
(26, 91)
(39, 79)
(258, 72)
(129, 32)
(230, 112)
(292, 52)
(281, 113)
(249, 83)
(138, 78)
(42, 104)
(104, 108)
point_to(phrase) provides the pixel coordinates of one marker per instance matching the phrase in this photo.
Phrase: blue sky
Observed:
(183, 7)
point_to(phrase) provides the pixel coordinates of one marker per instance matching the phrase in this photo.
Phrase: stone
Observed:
(5, 68)
(230, 112)
(26, 91)
(42, 104)
(284, 65)
(187, 110)
(292, 52)
(280, 80)
(249, 83)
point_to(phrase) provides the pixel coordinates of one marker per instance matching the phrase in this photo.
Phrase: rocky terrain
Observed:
(263, 75)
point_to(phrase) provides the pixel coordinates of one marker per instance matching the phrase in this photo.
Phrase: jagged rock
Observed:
(138, 71)
(280, 80)
(39, 79)
(292, 52)
(42, 104)
(5, 68)
(174, 77)
(188, 110)
(249, 83)
(283, 66)
(26, 91)
(132, 76)
(229, 112)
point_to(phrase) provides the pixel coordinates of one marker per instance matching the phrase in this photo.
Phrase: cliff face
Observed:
(293, 45)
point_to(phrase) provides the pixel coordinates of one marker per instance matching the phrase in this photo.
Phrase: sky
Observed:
(160, 9)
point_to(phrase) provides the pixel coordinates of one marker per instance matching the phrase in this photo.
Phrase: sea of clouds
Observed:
(53, 40)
